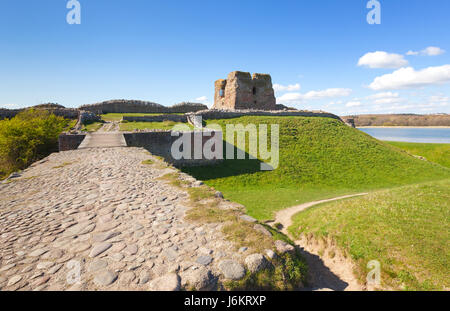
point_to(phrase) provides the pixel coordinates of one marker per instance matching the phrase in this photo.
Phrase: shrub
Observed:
(29, 136)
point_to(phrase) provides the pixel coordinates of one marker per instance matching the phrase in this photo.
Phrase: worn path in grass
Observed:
(284, 217)
(323, 273)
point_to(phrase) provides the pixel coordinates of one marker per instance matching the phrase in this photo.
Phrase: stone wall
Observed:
(8, 113)
(61, 112)
(226, 114)
(186, 107)
(69, 141)
(159, 143)
(158, 118)
(439, 119)
(242, 91)
(88, 117)
(349, 121)
(137, 106)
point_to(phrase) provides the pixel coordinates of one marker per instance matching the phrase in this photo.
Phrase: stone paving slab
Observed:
(103, 140)
(98, 219)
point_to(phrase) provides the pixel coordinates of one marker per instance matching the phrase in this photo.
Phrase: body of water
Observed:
(413, 135)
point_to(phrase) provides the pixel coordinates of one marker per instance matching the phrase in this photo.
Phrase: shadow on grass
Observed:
(226, 168)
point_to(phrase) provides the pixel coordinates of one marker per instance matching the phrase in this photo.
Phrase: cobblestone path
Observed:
(99, 219)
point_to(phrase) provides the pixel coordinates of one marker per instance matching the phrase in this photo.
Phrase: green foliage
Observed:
(288, 272)
(407, 229)
(319, 158)
(437, 153)
(148, 162)
(28, 137)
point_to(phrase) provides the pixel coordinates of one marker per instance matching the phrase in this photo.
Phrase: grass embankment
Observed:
(319, 158)
(407, 229)
(110, 117)
(92, 127)
(437, 153)
(165, 125)
(28, 137)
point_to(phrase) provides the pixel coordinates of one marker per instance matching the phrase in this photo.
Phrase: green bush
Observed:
(29, 136)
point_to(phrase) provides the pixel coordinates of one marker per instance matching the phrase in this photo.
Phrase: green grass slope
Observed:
(118, 116)
(165, 125)
(438, 153)
(319, 158)
(407, 229)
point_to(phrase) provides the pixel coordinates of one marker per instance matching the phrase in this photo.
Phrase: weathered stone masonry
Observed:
(70, 141)
(137, 106)
(159, 143)
(68, 113)
(242, 91)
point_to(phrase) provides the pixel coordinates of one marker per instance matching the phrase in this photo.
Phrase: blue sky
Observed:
(172, 51)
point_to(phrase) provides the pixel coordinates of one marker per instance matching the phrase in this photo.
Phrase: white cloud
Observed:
(433, 51)
(311, 95)
(388, 100)
(429, 51)
(10, 106)
(353, 104)
(439, 99)
(289, 88)
(202, 99)
(412, 53)
(333, 92)
(385, 98)
(404, 78)
(383, 95)
(382, 59)
(332, 105)
(290, 97)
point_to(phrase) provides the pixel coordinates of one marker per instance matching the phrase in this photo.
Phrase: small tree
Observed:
(29, 136)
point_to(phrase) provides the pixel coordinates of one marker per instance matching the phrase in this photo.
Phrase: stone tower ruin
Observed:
(242, 91)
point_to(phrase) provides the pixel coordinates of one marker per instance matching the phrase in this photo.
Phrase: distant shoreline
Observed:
(417, 127)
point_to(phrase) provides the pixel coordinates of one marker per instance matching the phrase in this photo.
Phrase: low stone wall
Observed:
(195, 120)
(137, 106)
(8, 113)
(60, 112)
(349, 121)
(88, 117)
(70, 141)
(159, 143)
(226, 114)
(160, 118)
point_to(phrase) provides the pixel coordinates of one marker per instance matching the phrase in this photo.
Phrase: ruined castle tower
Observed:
(242, 91)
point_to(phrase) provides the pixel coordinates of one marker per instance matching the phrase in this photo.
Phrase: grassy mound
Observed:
(319, 158)
(438, 153)
(407, 229)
